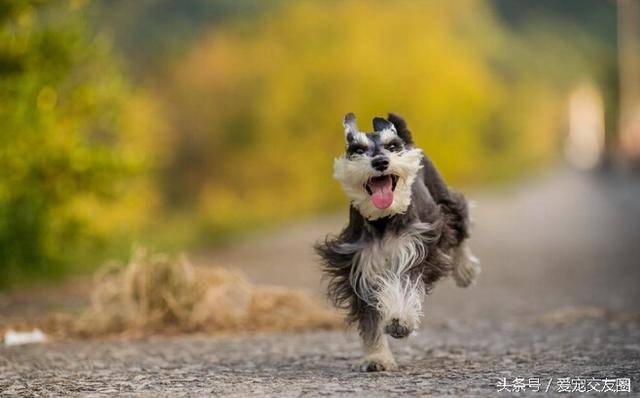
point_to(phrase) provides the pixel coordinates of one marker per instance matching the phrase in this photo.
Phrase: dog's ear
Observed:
(401, 128)
(350, 127)
(380, 124)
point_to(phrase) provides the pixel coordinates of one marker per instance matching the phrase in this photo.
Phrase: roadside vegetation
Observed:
(232, 125)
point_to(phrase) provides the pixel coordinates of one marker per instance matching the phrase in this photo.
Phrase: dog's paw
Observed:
(374, 364)
(467, 269)
(397, 329)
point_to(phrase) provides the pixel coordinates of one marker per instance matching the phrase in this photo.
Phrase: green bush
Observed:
(60, 135)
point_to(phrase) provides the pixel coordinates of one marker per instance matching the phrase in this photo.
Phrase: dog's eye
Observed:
(392, 147)
(359, 151)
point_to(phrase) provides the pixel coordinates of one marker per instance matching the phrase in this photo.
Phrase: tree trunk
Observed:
(629, 80)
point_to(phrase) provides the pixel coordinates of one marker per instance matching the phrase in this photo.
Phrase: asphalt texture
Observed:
(556, 310)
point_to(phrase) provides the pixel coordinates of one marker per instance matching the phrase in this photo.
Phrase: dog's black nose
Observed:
(380, 163)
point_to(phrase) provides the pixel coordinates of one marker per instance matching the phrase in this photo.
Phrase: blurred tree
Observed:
(256, 105)
(61, 138)
(580, 33)
(245, 107)
(629, 80)
(150, 32)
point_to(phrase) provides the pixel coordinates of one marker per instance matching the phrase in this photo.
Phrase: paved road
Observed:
(559, 297)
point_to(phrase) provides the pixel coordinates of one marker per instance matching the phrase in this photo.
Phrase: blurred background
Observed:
(134, 131)
(184, 125)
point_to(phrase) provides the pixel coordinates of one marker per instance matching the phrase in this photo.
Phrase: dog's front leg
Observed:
(377, 355)
(400, 303)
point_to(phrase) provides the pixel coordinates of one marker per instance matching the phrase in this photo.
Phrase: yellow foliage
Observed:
(258, 103)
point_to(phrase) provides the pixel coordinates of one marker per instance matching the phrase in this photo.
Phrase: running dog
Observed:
(406, 230)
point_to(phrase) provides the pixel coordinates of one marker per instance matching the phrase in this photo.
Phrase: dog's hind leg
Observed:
(377, 355)
(466, 266)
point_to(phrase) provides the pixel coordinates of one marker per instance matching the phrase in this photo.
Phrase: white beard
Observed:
(354, 173)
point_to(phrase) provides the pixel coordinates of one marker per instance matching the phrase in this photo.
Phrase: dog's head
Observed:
(378, 168)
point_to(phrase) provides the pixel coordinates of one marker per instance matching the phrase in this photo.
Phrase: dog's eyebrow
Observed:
(360, 138)
(387, 136)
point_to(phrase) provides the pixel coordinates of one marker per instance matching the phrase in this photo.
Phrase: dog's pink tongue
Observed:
(382, 194)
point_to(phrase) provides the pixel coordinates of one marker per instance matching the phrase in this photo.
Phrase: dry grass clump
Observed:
(155, 293)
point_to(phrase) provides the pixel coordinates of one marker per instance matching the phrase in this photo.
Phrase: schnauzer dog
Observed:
(406, 230)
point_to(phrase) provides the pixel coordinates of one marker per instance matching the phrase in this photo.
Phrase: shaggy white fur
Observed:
(400, 298)
(355, 171)
(378, 275)
(387, 135)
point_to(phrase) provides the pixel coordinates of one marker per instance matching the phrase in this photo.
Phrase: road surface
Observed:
(559, 297)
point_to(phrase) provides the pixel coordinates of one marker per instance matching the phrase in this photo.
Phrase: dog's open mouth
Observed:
(381, 190)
